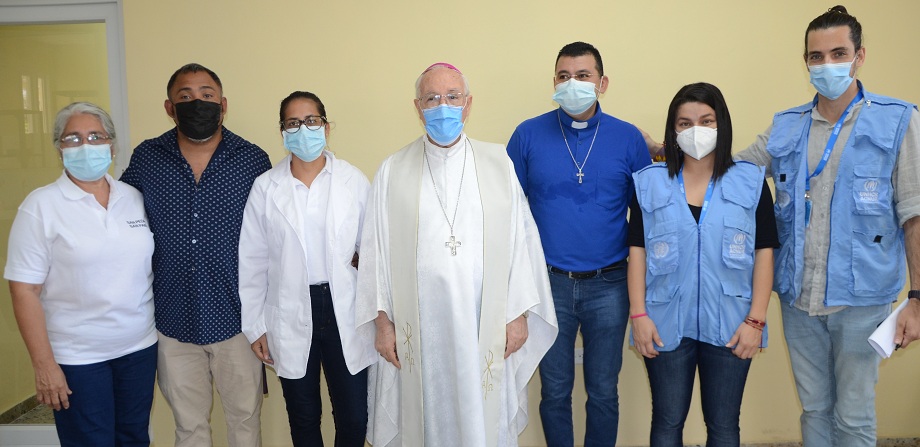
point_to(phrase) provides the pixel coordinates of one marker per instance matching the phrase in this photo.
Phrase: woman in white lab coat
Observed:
(298, 268)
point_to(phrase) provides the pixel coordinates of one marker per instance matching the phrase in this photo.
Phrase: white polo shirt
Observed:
(94, 265)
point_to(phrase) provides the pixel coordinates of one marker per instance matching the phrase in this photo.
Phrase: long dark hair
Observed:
(711, 96)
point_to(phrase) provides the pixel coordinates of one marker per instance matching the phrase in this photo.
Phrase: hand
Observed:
(515, 335)
(385, 341)
(354, 260)
(908, 328)
(654, 148)
(645, 337)
(745, 342)
(51, 387)
(260, 348)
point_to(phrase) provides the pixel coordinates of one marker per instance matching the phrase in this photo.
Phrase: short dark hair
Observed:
(834, 17)
(711, 96)
(576, 49)
(192, 68)
(300, 95)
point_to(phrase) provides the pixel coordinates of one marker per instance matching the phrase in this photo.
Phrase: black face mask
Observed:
(198, 119)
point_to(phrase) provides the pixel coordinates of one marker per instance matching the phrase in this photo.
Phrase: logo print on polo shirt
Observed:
(138, 223)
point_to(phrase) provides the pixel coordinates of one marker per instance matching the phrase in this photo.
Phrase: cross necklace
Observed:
(452, 243)
(580, 174)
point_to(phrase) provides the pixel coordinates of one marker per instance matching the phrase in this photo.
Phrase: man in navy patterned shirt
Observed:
(195, 179)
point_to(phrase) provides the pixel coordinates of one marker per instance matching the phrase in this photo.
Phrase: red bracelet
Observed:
(633, 317)
(755, 323)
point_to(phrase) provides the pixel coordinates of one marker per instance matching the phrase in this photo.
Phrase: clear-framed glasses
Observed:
(583, 76)
(432, 100)
(313, 122)
(76, 140)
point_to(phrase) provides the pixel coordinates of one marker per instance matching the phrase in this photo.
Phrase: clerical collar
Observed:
(446, 152)
(570, 123)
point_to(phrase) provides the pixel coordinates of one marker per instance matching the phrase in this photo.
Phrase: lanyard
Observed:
(706, 199)
(830, 143)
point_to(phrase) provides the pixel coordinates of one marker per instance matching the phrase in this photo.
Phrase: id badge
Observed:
(807, 210)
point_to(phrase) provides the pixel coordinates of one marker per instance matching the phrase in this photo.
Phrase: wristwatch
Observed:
(915, 294)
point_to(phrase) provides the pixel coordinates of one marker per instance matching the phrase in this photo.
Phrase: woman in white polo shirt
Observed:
(298, 259)
(79, 267)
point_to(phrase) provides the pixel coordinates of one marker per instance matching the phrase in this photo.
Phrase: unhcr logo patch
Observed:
(736, 248)
(869, 191)
(660, 249)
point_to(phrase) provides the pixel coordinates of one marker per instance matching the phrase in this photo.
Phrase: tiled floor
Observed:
(43, 415)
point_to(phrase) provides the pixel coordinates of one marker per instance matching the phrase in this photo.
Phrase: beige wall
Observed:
(362, 58)
(61, 64)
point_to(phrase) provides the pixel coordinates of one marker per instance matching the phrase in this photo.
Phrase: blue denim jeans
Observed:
(722, 378)
(347, 392)
(835, 373)
(600, 307)
(111, 401)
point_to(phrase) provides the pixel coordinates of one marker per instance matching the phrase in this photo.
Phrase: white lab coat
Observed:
(274, 292)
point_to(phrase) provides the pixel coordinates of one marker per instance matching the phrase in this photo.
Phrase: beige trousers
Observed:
(185, 372)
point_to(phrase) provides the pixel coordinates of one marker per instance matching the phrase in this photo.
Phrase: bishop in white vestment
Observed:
(453, 282)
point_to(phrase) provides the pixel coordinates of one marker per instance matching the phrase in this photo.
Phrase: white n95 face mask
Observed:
(697, 141)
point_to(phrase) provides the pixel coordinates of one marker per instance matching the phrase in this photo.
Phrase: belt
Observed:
(591, 273)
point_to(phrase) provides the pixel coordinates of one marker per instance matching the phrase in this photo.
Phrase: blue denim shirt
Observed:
(196, 232)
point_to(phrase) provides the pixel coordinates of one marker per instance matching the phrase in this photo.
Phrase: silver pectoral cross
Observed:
(452, 243)
(580, 175)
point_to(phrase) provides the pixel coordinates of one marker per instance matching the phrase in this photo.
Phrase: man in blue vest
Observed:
(846, 167)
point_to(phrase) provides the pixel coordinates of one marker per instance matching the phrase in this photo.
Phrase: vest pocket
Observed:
(661, 252)
(666, 315)
(871, 191)
(735, 305)
(880, 253)
(737, 243)
(784, 261)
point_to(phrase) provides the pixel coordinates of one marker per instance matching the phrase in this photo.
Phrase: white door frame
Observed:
(110, 12)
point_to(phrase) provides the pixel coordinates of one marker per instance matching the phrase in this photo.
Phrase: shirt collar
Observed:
(815, 115)
(73, 192)
(445, 152)
(567, 121)
(228, 140)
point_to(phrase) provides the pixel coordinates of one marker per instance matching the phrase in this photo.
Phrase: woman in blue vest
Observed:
(701, 236)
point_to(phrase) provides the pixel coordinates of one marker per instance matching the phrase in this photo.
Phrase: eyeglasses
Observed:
(312, 122)
(432, 100)
(586, 77)
(75, 140)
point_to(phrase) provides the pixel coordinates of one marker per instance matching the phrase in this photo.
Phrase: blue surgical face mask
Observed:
(575, 96)
(306, 144)
(831, 80)
(88, 162)
(444, 123)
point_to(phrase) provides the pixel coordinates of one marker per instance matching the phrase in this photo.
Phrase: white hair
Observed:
(418, 82)
(60, 121)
